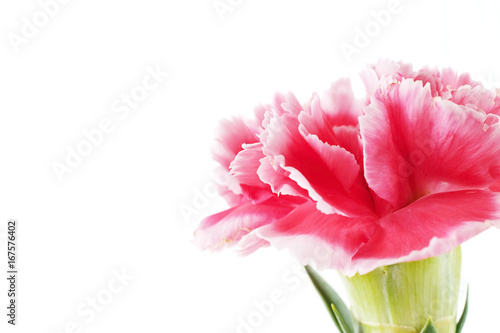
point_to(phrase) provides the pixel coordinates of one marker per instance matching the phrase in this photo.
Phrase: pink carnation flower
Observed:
(407, 173)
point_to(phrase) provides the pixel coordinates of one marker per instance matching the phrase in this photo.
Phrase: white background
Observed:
(119, 208)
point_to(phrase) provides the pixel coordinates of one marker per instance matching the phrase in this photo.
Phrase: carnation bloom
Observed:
(407, 173)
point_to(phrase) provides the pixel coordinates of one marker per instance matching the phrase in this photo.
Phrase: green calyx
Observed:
(407, 294)
(413, 297)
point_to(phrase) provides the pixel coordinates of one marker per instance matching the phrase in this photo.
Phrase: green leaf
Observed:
(461, 322)
(340, 320)
(338, 310)
(429, 327)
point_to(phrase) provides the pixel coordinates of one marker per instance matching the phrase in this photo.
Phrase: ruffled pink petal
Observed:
(415, 145)
(338, 161)
(286, 104)
(259, 111)
(451, 80)
(442, 82)
(227, 186)
(330, 241)
(349, 138)
(245, 165)
(429, 227)
(251, 243)
(227, 227)
(325, 171)
(343, 132)
(477, 98)
(445, 82)
(385, 68)
(278, 178)
(315, 121)
(496, 104)
(244, 170)
(339, 105)
(432, 78)
(231, 135)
